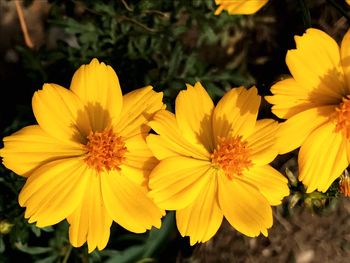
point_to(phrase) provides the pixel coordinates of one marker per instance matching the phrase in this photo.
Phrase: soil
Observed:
(304, 237)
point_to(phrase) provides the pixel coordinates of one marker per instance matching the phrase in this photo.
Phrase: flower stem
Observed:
(23, 25)
(305, 14)
(66, 256)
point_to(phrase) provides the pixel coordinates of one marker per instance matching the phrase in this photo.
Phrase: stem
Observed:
(66, 256)
(23, 24)
(153, 30)
(127, 7)
(339, 8)
(306, 14)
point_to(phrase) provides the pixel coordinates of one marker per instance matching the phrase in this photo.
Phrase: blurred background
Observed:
(165, 44)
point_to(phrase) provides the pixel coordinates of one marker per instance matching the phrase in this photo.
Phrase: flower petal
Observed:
(240, 7)
(90, 221)
(53, 191)
(175, 182)
(322, 158)
(139, 107)
(97, 85)
(271, 183)
(31, 147)
(171, 142)
(194, 108)
(290, 98)
(345, 58)
(139, 160)
(262, 142)
(202, 218)
(61, 114)
(315, 65)
(293, 132)
(128, 204)
(236, 113)
(246, 209)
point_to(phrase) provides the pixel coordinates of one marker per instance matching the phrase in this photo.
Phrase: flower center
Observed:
(105, 150)
(343, 117)
(232, 156)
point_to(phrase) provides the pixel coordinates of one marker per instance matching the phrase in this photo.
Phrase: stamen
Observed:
(105, 150)
(232, 155)
(343, 117)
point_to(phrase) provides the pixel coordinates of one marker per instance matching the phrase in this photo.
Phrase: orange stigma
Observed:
(232, 156)
(343, 117)
(105, 150)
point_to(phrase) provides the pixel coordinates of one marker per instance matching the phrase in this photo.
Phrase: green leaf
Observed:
(129, 255)
(158, 237)
(35, 230)
(32, 250)
(2, 244)
(49, 259)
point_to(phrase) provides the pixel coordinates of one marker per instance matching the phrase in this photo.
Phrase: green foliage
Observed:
(163, 43)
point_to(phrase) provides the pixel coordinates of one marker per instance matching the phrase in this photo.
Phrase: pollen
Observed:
(232, 155)
(105, 151)
(343, 117)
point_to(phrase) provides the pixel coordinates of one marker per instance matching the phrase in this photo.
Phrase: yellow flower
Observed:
(214, 163)
(315, 100)
(87, 159)
(239, 7)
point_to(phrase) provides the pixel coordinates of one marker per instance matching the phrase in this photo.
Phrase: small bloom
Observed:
(316, 103)
(5, 227)
(214, 163)
(344, 184)
(239, 7)
(87, 159)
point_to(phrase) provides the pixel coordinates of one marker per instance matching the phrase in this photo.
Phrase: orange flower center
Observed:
(343, 117)
(232, 155)
(105, 150)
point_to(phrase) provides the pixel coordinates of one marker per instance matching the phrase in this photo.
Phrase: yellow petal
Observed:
(245, 208)
(262, 142)
(97, 86)
(193, 108)
(202, 218)
(90, 221)
(171, 142)
(315, 65)
(345, 57)
(53, 191)
(175, 182)
(31, 147)
(348, 150)
(271, 183)
(240, 7)
(293, 132)
(61, 114)
(322, 158)
(139, 107)
(236, 113)
(139, 160)
(128, 204)
(289, 98)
